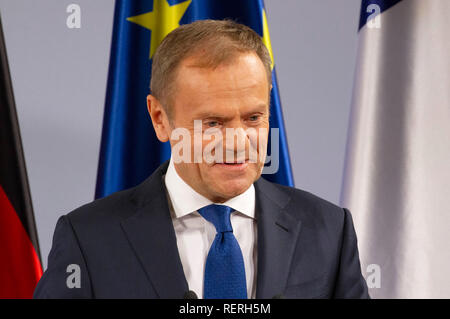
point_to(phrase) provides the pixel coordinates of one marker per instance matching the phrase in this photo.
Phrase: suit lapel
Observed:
(151, 234)
(277, 237)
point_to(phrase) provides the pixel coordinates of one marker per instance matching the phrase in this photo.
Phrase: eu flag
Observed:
(130, 151)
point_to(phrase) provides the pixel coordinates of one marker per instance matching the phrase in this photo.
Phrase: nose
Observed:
(236, 144)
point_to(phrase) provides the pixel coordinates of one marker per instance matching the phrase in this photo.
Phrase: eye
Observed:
(212, 123)
(254, 118)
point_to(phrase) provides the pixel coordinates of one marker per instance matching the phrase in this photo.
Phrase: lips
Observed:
(237, 161)
(233, 163)
(233, 166)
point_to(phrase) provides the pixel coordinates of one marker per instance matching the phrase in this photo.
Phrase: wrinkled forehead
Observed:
(244, 73)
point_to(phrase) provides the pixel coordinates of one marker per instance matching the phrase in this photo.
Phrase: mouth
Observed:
(233, 166)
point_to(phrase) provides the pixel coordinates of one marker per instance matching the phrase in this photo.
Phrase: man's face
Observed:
(231, 96)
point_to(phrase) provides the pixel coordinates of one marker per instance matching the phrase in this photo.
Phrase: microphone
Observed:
(190, 295)
(279, 296)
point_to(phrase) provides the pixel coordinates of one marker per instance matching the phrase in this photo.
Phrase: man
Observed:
(209, 226)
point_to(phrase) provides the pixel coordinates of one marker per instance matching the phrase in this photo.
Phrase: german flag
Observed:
(20, 266)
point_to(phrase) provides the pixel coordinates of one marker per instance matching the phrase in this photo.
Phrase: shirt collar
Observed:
(186, 200)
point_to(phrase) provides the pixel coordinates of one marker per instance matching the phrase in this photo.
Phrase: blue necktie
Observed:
(224, 269)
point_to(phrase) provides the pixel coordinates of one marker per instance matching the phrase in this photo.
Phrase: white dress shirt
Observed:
(195, 234)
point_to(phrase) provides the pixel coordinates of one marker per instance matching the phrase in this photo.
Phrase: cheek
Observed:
(254, 137)
(258, 142)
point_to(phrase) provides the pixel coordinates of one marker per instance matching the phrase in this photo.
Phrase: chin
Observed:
(231, 188)
(230, 184)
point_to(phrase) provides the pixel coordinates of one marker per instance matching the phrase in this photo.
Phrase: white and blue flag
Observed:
(397, 173)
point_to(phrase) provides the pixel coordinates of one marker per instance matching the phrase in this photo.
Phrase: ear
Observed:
(159, 118)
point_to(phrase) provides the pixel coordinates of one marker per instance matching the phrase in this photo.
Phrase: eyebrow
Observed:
(260, 108)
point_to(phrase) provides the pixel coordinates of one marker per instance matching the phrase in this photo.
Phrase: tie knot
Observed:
(219, 216)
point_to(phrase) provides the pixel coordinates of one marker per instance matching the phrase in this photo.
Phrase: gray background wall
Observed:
(59, 78)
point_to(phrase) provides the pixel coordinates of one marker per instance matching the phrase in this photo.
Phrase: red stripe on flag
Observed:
(20, 268)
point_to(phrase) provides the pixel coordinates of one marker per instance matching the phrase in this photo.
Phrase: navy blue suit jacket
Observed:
(125, 246)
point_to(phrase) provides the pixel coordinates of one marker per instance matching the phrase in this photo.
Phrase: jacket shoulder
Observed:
(111, 208)
(122, 204)
(302, 204)
(309, 200)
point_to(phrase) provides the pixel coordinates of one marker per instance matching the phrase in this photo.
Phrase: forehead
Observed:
(242, 80)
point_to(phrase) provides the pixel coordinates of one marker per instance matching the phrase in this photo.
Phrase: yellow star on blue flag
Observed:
(162, 20)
